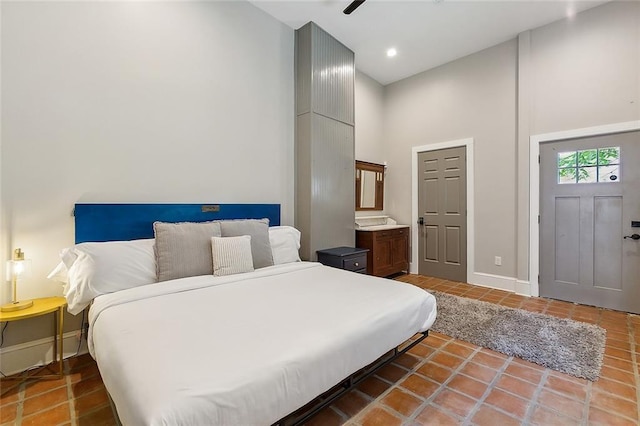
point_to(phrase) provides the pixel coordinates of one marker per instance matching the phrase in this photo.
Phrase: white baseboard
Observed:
(499, 282)
(17, 358)
(523, 288)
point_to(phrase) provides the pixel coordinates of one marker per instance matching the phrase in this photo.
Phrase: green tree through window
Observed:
(590, 165)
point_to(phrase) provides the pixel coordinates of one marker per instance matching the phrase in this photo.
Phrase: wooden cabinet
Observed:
(388, 250)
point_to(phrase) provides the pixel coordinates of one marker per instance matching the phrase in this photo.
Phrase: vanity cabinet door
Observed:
(388, 250)
(382, 255)
(400, 250)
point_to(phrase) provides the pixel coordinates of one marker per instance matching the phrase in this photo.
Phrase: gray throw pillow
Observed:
(184, 249)
(258, 229)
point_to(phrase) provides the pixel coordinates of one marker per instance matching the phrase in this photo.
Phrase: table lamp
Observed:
(16, 268)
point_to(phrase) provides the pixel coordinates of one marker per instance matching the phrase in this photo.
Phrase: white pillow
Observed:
(285, 243)
(231, 255)
(61, 271)
(99, 268)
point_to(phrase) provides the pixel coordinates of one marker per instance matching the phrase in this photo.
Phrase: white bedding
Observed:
(246, 349)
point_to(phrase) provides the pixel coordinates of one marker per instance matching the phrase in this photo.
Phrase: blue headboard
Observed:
(122, 222)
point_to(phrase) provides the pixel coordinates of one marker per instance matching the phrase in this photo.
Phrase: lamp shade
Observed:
(17, 268)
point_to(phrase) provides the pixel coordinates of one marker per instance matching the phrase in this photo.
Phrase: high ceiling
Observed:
(425, 33)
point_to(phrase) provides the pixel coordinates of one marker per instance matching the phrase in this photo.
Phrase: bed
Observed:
(246, 348)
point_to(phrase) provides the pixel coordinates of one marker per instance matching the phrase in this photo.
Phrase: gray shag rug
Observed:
(569, 346)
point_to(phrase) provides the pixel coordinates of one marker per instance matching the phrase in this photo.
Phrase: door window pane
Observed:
(588, 157)
(608, 173)
(567, 175)
(600, 165)
(607, 156)
(567, 159)
(587, 174)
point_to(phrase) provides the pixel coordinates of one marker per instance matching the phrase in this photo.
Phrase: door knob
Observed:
(421, 220)
(633, 236)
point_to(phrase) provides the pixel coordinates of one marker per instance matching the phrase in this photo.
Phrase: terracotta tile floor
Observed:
(441, 381)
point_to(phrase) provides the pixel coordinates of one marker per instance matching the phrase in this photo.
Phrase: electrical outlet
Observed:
(498, 261)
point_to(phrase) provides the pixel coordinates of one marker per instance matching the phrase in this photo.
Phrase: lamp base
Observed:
(16, 306)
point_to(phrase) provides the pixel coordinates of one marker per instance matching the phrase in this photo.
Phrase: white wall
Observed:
(586, 70)
(369, 120)
(138, 102)
(473, 97)
(573, 73)
(4, 243)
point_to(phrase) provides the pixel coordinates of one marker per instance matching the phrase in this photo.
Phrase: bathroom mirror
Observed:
(369, 186)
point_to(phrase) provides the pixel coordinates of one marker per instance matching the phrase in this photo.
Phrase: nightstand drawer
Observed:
(355, 263)
(347, 258)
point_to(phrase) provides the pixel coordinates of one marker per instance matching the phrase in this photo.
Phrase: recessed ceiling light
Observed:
(392, 52)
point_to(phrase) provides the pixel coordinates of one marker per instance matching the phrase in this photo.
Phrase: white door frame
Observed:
(534, 184)
(468, 144)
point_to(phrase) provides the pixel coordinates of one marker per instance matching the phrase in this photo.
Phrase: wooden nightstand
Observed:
(44, 306)
(348, 258)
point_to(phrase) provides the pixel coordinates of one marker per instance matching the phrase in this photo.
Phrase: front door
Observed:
(589, 197)
(442, 207)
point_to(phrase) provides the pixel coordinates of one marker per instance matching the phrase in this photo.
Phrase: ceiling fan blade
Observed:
(353, 6)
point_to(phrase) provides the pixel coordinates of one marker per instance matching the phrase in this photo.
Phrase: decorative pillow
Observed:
(184, 249)
(231, 255)
(92, 269)
(285, 244)
(258, 229)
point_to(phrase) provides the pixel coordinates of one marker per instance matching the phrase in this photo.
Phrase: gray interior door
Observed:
(442, 205)
(589, 196)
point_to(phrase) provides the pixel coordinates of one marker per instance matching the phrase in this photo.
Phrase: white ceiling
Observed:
(426, 33)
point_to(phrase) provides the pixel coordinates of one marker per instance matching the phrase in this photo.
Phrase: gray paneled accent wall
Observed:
(325, 195)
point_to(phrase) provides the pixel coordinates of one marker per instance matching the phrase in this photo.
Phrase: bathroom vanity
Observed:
(388, 245)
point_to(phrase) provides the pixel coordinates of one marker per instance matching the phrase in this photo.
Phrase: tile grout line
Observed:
(456, 372)
(427, 400)
(397, 382)
(72, 407)
(533, 401)
(490, 387)
(501, 371)
(573, 310)
(634, 360)
(587, 404)
(442, 386)
(587, 401)
(395, 385)
(344, 418)
(20, 407)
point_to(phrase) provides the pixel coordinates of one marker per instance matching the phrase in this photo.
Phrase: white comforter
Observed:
(246, 349)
